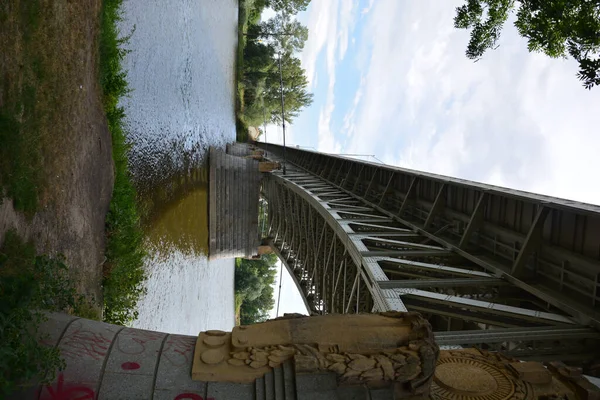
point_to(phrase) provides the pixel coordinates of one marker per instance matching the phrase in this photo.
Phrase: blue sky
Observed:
(390, 79)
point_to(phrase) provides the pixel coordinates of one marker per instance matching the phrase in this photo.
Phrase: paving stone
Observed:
(269, 388)
(179, 394)
(175, 365)
(307, 383)
(84, 346)
(126, 386)
(278, 383)
(319, 395)
(353, 393)
(135, 351)
(259, 388)
(382, 394)
(230, 391)
(289, 381)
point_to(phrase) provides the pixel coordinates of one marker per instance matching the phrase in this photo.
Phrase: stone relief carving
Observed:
(471, 374)
(386, 350)
(368, 349)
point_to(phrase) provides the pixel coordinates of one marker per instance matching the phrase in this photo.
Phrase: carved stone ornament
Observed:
(376, 350)
(471, 374)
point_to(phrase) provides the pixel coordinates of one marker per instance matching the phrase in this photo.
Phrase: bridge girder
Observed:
(361, 237)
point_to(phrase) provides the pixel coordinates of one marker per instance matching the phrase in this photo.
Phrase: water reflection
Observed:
(182, 226)
(181, 71)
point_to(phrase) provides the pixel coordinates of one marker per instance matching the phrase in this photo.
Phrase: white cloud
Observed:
(346, 23)
(348, 127)
(513, 118)
(327, 141)
(322, 23)
(327, 20)
(275, 134)
(366, 9)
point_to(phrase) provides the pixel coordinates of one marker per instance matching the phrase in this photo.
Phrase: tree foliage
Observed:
(288, 6)
(557, 28)
(267, 43)
(254, 281)
(284, 34)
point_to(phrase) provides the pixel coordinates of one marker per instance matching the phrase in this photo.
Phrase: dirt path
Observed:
(56, 41)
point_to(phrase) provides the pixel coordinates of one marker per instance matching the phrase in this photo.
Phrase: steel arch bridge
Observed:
(490, 267)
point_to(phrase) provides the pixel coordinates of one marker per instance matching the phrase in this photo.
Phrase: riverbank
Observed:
(63, 146)
(248, 14)
(56, 174)
(123, 272)
(56, 162)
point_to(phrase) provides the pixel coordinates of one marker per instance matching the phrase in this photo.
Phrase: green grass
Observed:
(240, 124)
(123, 272)
(19, 158)
(20, 149)
(249, 13)
(30, 284)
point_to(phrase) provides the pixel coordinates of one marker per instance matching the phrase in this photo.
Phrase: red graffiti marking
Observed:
(134, 341)
(178, 349)
(188, 396)
(191, 396)
(79, 343)
(130, 365)
(64, 391)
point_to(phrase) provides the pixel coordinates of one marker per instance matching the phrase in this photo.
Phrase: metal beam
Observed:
(408, 253)
(475, 221)
(392, 175)
(515, 335)
(441, 283)
(438, 204)
(435, 267)
(486, 306)
(532, 242)
(411, 189)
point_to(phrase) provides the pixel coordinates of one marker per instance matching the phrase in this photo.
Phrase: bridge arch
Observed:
(361, 237)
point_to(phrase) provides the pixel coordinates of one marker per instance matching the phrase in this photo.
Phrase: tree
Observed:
(254, 281)
(556, 28)
(296, 95)
(288, 6)
(285, 34)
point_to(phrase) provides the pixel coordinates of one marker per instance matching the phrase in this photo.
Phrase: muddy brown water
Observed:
(181, 68)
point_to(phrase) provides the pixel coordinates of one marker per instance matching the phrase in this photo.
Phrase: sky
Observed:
(390, 79)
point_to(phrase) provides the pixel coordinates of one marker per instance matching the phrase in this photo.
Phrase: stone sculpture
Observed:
(471, 374)
(373, 350)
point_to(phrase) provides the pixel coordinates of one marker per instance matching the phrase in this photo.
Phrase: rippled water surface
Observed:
(181, 69)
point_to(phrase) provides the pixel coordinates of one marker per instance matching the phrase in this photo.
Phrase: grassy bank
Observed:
(123, 270)
(240, 124)
(20, 107)
(248, 14)
(30, 284)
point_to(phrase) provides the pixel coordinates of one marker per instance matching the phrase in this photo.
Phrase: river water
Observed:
(181, 68)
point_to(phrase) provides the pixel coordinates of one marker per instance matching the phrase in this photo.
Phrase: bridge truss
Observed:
(489, 267)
